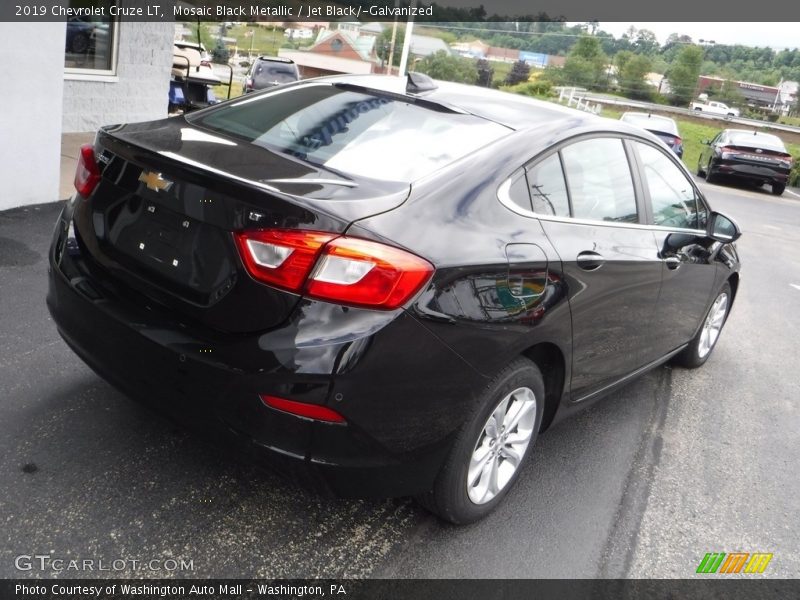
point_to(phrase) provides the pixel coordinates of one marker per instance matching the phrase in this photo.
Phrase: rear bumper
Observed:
(402, 391)
(751, 171)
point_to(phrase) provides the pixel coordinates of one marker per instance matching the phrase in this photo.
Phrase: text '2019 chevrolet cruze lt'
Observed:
(386, 286)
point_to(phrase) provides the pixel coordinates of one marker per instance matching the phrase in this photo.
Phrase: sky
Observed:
(774, 35)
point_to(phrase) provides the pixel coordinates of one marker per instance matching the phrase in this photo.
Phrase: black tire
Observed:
(778, 188)
(449, 498)
(711, 177)
(80, 43)
(692, 356)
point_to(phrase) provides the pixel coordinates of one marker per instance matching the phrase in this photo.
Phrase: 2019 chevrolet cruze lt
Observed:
(386, 286)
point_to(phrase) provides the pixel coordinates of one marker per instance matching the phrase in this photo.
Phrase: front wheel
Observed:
(700, 171)
(778, 188)
(489, 450)
(699, 349)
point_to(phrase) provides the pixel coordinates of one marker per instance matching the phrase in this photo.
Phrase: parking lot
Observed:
(643, 484)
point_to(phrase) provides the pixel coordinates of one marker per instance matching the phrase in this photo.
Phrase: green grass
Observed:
(265, 40)
(693, 135)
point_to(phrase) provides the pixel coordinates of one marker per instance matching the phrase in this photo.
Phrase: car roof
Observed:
(279, 59)
(509, 109)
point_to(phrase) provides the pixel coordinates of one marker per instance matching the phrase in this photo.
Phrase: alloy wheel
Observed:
(501, 445)
(713, 325)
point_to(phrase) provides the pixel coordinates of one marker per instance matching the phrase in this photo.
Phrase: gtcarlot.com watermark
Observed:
(56, 564)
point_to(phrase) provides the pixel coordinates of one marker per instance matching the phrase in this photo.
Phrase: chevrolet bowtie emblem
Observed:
(154, 181)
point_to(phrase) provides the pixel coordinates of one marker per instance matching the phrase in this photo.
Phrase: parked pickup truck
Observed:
(715, 108)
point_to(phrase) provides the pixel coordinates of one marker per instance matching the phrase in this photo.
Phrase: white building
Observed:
(73, 77)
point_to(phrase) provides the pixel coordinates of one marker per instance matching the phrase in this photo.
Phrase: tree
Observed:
(519, 73)
(447, 67)
(683, 75)
(586, 64)
(485, 73)
(383, 44)
(632, 78)
(646, 42)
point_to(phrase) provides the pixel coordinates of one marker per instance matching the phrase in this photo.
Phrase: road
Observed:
(643, 484)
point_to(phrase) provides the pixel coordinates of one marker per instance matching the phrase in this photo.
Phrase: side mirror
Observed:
(706, 142)
(722, 229)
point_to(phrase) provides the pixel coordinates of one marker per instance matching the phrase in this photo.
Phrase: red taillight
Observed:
(369, 274)
(87, 174)
(248, 84)
(281, 258)
(302, 409)
(343, 270)
(677, 141)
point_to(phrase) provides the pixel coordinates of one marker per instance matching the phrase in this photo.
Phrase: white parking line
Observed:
(795, 286)
(795, 194)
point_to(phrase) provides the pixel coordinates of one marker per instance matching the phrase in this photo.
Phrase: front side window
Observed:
(599, 180)
(90, 41)
(672, 195)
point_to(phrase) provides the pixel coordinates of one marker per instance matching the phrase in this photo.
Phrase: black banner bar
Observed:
(450, 11)
(735, 588)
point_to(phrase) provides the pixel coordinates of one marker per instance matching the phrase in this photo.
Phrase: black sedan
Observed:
(757, 158)
(664, 128)
(385, 286)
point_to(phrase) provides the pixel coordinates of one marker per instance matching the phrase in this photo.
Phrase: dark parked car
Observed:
(663, 128)
(757, 158)
(269, 71)
(387, 288)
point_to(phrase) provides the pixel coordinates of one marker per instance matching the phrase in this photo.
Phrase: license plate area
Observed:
(189, 257)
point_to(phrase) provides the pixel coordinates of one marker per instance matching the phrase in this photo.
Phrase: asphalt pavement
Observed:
(643, 484)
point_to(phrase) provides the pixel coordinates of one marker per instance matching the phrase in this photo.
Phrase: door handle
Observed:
(672, 262)
(590, 261)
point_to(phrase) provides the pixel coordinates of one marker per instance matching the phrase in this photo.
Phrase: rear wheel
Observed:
(701, 346)
(778, 188)
(489, 450)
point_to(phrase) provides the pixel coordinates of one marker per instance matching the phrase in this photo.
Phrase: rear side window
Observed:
(672, 195)
(548, 189)
(600, 182)
(354, 132)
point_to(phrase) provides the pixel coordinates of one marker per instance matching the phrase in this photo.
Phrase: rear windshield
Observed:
(272, 72)
(656, 123)
(353, 132)
(762, 140)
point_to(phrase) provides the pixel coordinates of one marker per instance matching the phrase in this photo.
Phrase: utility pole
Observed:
(394, 38)
(407, 41)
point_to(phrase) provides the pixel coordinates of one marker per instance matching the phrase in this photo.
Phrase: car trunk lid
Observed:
(170, 196)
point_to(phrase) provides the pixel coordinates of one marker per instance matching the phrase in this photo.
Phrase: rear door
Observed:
(610, 259)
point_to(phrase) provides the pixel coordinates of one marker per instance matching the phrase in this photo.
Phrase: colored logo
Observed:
(734, 562)
(154, 181)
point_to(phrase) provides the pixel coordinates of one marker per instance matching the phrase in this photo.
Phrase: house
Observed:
(473, 49)
(335, 52)
(425, 45)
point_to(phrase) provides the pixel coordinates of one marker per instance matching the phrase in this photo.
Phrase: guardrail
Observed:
(581, 99)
